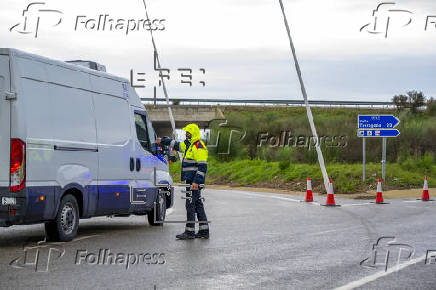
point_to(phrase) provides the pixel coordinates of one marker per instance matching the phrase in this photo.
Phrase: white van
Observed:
(74, 143)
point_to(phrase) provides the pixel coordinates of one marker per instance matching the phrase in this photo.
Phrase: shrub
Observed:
(431, 107)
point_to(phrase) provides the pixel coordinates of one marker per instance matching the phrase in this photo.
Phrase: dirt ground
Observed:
(402, 193)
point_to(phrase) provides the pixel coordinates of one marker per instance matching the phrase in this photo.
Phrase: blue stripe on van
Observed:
(97, 201)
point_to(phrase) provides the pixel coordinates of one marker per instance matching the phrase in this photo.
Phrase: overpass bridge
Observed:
(203, 111)
(183, 115)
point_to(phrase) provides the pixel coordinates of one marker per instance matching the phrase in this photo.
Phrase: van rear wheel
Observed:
(64, 227)
(157, 215)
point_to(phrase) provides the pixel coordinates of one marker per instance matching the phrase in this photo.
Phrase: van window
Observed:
(151, 132)
(142, 131)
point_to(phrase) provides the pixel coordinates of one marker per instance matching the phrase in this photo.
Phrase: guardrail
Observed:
(241, 102)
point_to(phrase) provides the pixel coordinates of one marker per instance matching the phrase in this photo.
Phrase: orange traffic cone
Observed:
(425, 194)
(379, 198)
(330, 196)
(309, 195)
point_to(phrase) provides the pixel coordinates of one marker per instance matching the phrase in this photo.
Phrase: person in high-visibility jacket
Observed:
(194, 168)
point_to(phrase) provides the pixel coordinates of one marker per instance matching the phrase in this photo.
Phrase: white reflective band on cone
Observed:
(379, 187)
(309, 184)
(330, 188)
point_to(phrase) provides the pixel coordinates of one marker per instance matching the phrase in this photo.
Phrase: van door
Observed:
(145, 161)
(116, 157)
(5, 129)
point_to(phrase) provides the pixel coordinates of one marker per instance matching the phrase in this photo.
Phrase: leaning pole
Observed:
(306, 102)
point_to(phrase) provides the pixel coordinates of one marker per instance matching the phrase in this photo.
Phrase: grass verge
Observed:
(347, 178)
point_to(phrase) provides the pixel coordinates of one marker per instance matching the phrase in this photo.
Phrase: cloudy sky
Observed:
(243, 45)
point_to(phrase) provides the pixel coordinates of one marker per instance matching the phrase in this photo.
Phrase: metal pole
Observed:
(306, 102)
(364, 158)
(384, 158)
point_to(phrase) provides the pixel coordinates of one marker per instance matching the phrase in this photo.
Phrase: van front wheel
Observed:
(157, 215)
(65, 225)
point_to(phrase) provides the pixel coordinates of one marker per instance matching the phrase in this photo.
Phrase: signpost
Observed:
(376, 126)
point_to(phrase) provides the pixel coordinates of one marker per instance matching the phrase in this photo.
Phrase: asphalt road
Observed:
(258, 240)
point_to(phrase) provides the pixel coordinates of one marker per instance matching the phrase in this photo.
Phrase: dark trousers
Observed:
(195, 206)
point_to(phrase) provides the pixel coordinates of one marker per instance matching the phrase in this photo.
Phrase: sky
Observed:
(242, 45)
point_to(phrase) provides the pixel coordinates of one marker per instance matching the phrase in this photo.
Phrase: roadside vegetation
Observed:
(287, 164)
(347, 178)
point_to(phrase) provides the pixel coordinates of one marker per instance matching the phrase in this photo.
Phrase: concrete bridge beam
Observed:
(183, 115)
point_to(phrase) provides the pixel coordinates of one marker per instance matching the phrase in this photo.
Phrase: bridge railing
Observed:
(241, 102)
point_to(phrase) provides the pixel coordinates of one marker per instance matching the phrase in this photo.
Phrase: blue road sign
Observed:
(378, 133)
(377, 122)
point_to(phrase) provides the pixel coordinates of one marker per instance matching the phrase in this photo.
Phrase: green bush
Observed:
(347, 178)
(431, 107)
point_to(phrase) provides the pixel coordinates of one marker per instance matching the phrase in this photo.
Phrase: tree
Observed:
(416, 100)
(401, 102)
(413, 100)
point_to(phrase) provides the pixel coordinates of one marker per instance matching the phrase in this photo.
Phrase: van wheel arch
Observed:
(66, 223)
(167, 201)
(167, 198)
(78, 194)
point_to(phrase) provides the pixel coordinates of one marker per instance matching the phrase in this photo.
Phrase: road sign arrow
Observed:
(394, 121)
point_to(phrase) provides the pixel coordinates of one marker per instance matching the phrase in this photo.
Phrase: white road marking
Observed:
(267, 196)
(357, 204)
(375, 276)
(333, 231)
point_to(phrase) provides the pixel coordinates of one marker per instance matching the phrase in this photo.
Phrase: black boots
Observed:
(192, 235)
(186, 236)
(202, 235)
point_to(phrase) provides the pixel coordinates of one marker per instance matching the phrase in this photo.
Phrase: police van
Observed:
(75, 143)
